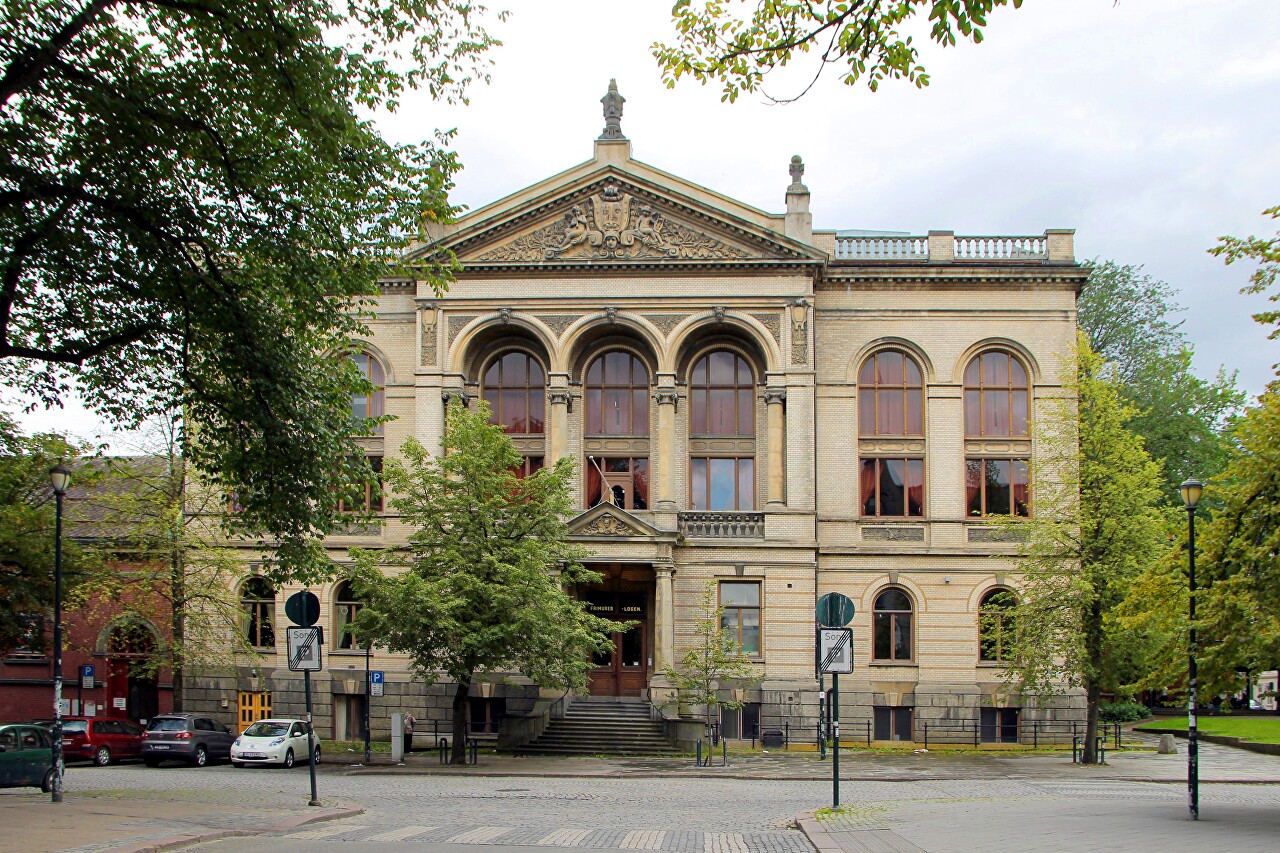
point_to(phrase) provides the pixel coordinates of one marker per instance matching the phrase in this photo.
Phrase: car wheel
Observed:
(151, 762)
(202, 757)
(46, 784)
(237, 764)
(102, 757)
(288, 759)
(315, 759)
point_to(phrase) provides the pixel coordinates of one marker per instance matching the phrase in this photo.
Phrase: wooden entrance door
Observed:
(624, 670)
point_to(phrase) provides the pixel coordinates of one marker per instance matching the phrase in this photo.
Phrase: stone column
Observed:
(664, 628)
(775, 399)
(666, 450)
(558, 440)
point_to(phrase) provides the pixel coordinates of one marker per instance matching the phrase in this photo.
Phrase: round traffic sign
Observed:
(302, 608)
(835, 610)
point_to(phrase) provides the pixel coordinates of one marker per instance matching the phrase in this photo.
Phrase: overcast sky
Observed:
(1149, 126)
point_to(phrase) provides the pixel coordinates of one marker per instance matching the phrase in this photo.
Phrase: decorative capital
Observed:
(612, 102)
(560, 397)
(451, 394)
(666, 397)
(774, 396)
(797, 172)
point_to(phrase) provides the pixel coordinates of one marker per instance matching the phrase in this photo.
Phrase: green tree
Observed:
(739, 44)
(194, 213)
(1097, 523)
(1265, 252)
(488, 566)
(1183, 419)
(164, 561)
(713, 663)
(27, 532)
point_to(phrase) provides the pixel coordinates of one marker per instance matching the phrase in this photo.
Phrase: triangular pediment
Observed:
(613, 217)
(606, 519)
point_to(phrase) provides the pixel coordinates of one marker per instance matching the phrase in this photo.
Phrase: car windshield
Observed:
(74, 727)
(261, 729)
(170, 724)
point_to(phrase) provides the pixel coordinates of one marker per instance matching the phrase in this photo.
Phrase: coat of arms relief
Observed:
(614, 225)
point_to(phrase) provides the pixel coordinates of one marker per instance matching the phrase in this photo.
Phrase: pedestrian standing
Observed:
(409, 723)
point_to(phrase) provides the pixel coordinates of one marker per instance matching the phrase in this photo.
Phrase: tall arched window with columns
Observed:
(891, 406)
(515, 386)
(722, 398)
(997, 404)
(616, 403)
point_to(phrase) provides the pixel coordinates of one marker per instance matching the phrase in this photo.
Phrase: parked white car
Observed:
(274, 742)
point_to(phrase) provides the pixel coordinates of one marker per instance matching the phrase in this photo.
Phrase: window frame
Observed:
(369, 506)
(494, 395)
(743, 393)
(894, 619)
(634, 392)
(974, 383)
(376, 401)
(880, 390)
(1004, 623)
(261, 607)
(352, 605)
(738, 482)
(877, 483)
(735, 630)
(597, 468)
(983, 480)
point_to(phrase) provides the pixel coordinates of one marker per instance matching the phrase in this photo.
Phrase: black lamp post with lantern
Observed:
(1191, 491)
(60, 479)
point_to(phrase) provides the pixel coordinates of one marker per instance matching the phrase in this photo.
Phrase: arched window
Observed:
(369, 405)
(890, 395)
(258, 612)
(617, 395)
(890, 403)
(515, 388)
(891, 626)
(995, 397)
(722, 395)
(345, 607)
(995, 625)
(996, 406)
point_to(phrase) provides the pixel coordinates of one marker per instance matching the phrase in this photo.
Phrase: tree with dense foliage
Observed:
(1265, 252)
(740, 44)
(1097, 524)
(27, 532)
(1183, 419)
(193, 215)
(163, 562)
(488, 570)
(713, 664)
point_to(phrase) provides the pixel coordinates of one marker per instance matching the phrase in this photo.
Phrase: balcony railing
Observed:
(945, 247)
(722, 525)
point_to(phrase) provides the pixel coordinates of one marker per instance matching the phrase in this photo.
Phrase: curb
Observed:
(186, 839)
(818, 837)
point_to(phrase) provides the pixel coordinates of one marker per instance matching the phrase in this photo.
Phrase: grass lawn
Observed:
(1257, 729)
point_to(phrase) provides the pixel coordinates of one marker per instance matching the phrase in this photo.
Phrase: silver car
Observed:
(192, 738)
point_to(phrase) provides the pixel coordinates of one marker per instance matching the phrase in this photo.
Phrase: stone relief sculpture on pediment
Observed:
(614, 225)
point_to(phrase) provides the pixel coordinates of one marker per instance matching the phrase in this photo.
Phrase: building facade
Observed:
(778, 410)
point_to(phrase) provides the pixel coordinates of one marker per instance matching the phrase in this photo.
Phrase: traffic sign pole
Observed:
(367, 649)
(311, 735)
(835, 740)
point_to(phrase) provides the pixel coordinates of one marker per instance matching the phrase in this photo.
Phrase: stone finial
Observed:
(797, 172)
(612, 112)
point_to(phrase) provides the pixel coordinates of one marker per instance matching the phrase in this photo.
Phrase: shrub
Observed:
(1122, 712)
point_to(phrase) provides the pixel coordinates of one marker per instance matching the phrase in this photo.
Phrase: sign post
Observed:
(834, 610)
(305, 645)
(368, 681)
(86, 680)
(835, 655)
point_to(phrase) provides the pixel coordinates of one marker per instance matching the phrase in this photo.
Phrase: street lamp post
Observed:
(60, 478)
(1191, 491)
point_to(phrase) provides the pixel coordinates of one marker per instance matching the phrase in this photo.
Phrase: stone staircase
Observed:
(602, 726)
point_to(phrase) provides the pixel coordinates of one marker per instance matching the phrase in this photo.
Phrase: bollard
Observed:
(1167, 745)
(697, 761)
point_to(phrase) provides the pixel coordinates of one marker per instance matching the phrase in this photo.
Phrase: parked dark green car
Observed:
(26, 757)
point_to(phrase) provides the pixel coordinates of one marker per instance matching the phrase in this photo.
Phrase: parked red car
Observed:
(101, 740)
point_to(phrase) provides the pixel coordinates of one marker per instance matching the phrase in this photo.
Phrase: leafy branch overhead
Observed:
(194, 215)
(740, 42)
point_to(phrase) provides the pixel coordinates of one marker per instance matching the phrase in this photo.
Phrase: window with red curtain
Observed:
(722, 395)
(890, 395)
(623, 481)
(369, 405)
(996, 397)
(997, 487)
(617, 395)
(892, 487)
(515, 388)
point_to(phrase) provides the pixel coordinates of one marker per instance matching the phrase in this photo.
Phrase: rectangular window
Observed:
(999, 725)
(30, 646)
(894, 723)
(622, 481)
(528, 466)
(892, 488)
(368, 496)
(740, 723)
(998, 487)
(741, 619)
(723, 485)
(485, 715)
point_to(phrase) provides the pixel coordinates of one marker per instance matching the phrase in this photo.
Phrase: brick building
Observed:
(781, 410)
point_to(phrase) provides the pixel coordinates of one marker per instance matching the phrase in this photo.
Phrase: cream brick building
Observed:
(710, 367)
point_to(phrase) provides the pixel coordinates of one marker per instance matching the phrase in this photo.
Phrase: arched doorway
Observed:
(132, 691)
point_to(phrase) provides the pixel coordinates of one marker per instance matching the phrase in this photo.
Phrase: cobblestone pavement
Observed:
(428, 813)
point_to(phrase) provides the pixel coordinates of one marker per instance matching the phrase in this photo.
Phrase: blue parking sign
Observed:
(375, 682)
(87, 676)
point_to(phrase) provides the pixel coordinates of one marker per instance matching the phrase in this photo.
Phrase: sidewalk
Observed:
(140, 821)
(1217, 764)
